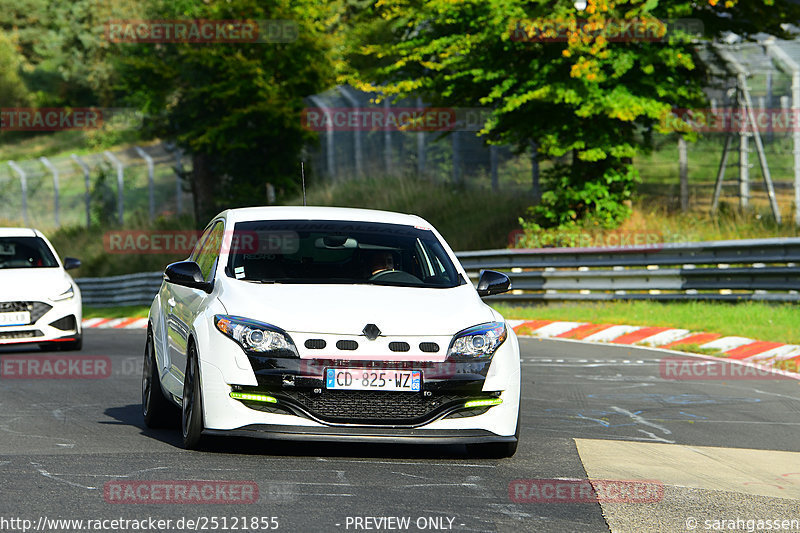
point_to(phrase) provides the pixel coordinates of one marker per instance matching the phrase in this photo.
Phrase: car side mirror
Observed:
(492, 282)
(70, 263)
(186, 274)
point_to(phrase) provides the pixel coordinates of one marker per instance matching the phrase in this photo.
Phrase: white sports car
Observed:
(331, 324)
(39, 302)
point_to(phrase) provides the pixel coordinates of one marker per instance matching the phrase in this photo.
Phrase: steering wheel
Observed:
(383, 273)
(399, 276)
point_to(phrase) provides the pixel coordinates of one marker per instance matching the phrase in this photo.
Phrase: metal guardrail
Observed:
(130, 289)
(752, 269)
(746, 251)
(756, 269)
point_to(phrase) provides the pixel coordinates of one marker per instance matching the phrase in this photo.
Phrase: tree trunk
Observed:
(203, 183)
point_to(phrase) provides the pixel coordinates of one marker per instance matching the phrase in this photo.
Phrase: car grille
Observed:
(36, 309)
(347, 345)
(20, 334)
(373, 407)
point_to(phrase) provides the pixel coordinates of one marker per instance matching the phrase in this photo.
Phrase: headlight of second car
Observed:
(256, 337)
(477, 342)
(66, 295)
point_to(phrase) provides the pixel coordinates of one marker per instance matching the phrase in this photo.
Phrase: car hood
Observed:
(346, 309)
(28, 284)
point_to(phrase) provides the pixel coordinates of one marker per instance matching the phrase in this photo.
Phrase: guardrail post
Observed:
(150, 181)
(493, 166)
(357, 151)
(23, 178)
(178, 168)
(744, 164)
(120, 181)
(46, 162)
(329, 147)
(387, 139)
(421, 149)
(683, 166)
(535, 187)
(780, 54)
(796, 141)
(456, 146)
(87, 194)
(769, 100)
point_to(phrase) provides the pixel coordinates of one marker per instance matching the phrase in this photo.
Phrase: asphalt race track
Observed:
(714, 449)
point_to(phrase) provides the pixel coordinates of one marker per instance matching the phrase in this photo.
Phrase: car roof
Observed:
(322, 213)
(19, 232)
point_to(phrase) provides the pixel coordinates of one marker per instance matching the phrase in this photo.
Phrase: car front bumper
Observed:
(227, 415)
(50, 322)
(364, 434)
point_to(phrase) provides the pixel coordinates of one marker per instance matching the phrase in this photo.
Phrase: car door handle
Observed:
(171, 302)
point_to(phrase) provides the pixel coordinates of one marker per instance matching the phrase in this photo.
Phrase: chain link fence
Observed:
(358, 138)
(763, 73)
(77, 189)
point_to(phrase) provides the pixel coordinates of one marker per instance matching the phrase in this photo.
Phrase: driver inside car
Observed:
(378, 262)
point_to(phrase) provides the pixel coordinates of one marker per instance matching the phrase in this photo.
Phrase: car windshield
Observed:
(25, 252)
(301, 251)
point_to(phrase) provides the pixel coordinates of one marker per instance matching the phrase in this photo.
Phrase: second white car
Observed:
(40, 303)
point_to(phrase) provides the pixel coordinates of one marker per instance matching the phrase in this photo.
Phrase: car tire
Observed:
(495, 450)
(192, 404)
(157, 410)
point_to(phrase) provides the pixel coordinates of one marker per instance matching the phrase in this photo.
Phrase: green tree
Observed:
(13, 92)
(235, 107)
(12, 89)
(64, 47)
(589, 101)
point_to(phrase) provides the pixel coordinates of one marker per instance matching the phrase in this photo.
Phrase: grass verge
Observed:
(129, 311)
(755, 320)
(469, 218)
(655, 223)
(89, 246)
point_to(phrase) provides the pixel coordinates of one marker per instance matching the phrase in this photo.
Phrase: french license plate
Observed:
(366, 379)
(19, 318)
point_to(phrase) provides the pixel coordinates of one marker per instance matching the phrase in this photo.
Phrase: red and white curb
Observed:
(736, 348)
(115, 323)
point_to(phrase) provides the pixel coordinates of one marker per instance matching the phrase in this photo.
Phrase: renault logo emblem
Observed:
(371, 331)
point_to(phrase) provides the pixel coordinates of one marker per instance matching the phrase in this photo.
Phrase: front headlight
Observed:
(256, 337)
(478, 342)
(66, 295)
